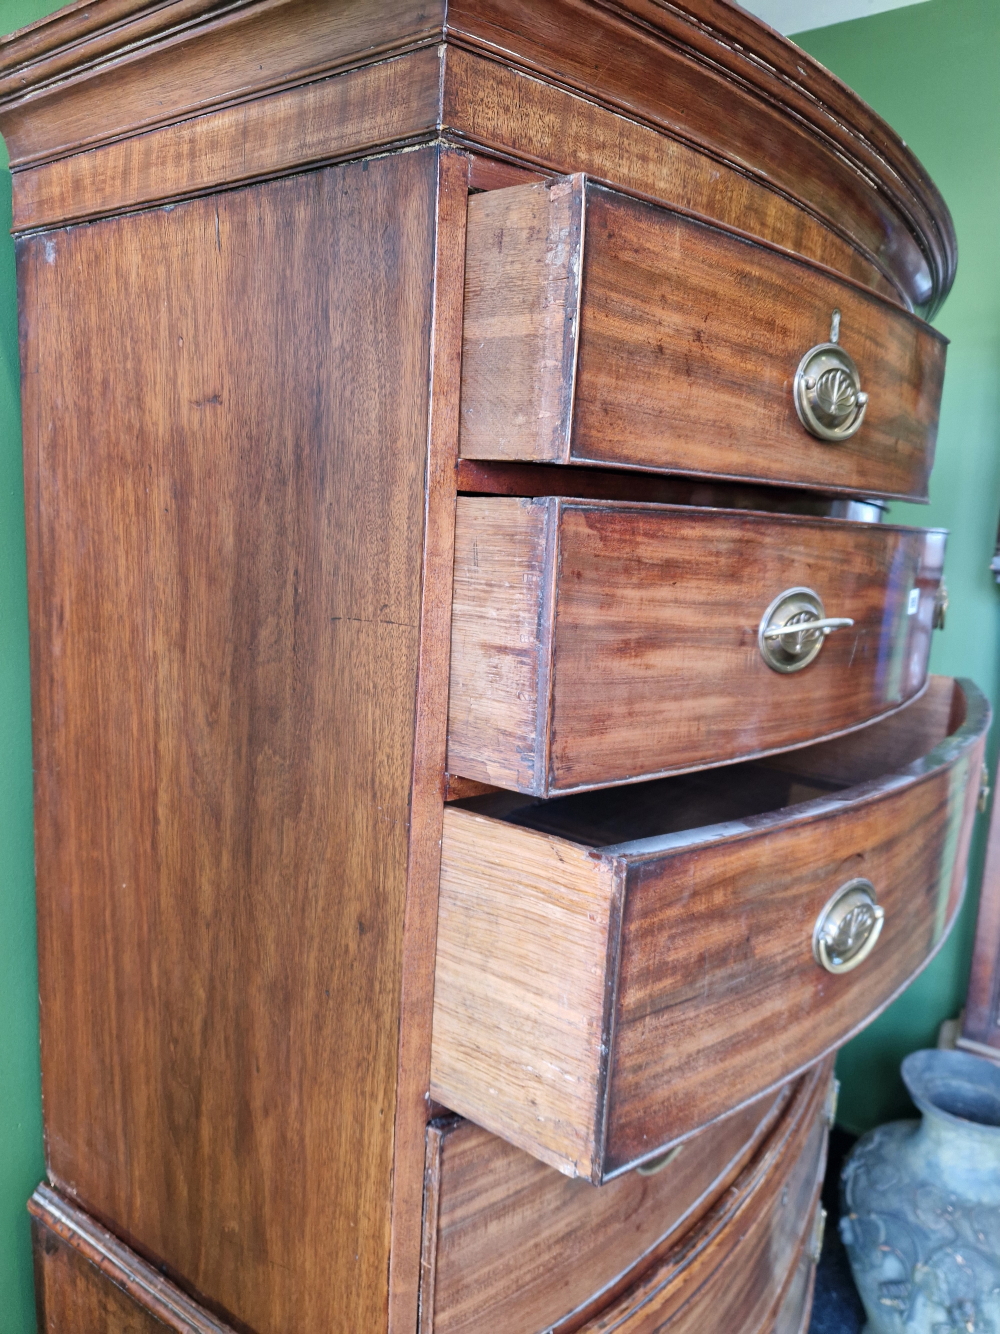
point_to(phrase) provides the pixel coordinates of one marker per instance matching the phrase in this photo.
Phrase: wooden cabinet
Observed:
(417, 442)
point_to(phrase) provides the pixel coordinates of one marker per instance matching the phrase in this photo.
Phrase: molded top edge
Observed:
(738, 64)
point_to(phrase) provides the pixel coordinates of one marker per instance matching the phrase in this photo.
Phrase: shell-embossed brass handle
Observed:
(848, 927)
(827, 390)
(794, 629)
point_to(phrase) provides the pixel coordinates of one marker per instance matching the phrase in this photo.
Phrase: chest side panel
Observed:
(225, 411)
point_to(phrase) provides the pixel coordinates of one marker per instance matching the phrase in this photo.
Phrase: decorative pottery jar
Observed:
(920, 1213)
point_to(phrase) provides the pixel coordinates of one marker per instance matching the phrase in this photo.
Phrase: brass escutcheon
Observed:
(794, 629)
(848, 927)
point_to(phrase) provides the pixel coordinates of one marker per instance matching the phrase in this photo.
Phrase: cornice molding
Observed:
(703, 72)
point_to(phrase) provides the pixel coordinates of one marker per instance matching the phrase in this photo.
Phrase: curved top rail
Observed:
(703, 72)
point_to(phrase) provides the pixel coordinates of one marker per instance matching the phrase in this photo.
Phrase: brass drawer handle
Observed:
(848, 927)
(825, 623)
(794, 628)
(830, 1106)
(827, 390)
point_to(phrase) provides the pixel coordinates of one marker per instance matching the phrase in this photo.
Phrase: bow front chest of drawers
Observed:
(485, 757)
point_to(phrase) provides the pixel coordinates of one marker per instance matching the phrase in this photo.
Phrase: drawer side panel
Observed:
(501, 641)
(522, 291)
(523, 986)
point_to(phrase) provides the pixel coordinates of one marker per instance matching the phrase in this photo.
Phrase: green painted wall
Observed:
(21, 1163)
(931, 71)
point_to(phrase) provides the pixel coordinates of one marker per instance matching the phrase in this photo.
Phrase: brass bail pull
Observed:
(794, 629)
(827, 392)
(827, 624)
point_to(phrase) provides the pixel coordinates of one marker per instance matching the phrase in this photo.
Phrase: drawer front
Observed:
(596, 1001)
(513, 1246)
(742, 1268)
(796, 1306)
(605, 330)
(597, 642)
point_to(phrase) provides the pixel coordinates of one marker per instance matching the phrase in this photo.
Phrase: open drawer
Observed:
(598, 642)
(602, 329)
(616, 969)
(514, 1247)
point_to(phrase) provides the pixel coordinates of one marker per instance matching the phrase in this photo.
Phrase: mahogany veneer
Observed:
(677, 94)
(516, 1247)
(597, 643)
(605, 330)
(616, 969)
(241, 254)
(748, 1264)
(86, 1279)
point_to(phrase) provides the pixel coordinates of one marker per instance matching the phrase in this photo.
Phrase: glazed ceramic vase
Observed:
(920, 1204)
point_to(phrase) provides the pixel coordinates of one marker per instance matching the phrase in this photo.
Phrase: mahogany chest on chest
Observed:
(485, 757)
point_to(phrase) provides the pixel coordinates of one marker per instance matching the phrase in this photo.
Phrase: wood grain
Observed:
(88, 1282)
(540, 1041)
(716, 995)
(94, 83)
(337, 117)
(494, 109)
(683, 343)
(240, 425)
(847, 760)
(597, 643)
(689, 341)
(502, 602)
(981, 1024)
(514, 1246)
(521, 316)
(702, 75)
(733, 1270)
(430, 739)
(795, 1311)
(395, 101)
(225, 445)
(658, 67)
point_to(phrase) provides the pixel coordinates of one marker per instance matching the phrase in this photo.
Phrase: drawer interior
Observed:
(607, 962)
(628, 814)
